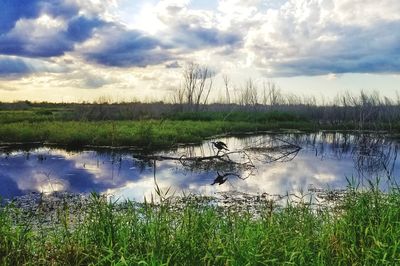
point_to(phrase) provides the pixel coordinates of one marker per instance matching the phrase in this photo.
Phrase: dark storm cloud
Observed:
(45, 42)
(322, 66)
(59, 8)
(118, 46)
(15, 67)
(10, 66)
(199, 37)
(126, 48)
(37, 47)
(13, 10)
(80, 28)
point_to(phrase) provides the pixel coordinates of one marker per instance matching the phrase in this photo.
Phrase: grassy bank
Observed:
(60, 125)
(363, 231)
(152, 133)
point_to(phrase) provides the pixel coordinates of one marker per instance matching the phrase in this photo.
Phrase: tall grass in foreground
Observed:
(365, 230)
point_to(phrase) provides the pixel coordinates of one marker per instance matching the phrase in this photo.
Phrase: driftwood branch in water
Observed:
(222, 157)
(287, 150)
(225, 166)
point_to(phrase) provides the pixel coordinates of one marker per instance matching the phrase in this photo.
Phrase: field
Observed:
(150, 134)
(155, 125)
(58, 126)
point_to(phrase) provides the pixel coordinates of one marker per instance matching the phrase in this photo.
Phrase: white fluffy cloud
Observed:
(324, 36)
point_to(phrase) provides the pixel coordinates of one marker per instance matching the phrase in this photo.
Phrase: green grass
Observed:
(54, 125)
(57, 125)
(364, 231)
(151, 133)
(34, 115)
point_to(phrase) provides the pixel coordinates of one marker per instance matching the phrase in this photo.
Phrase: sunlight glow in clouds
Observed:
(86, 49)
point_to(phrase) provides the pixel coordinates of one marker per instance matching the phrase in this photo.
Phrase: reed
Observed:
(364, 230)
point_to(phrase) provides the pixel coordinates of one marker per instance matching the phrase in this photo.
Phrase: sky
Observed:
(125, 50)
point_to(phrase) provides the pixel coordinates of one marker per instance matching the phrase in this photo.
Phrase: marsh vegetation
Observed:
(360, 227)
(161, 125)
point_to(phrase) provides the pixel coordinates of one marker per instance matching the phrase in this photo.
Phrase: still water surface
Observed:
(255, 164)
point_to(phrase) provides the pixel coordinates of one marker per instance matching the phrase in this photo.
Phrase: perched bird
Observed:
(220, 145)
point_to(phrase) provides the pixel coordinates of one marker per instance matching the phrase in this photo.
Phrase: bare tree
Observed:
(178, 96)
(272, 94)
(227, 94)
(197, 85)
(249, 95)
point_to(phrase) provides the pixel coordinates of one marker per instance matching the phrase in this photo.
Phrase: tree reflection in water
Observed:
(273, 163)
(374, 155)
(238, 163)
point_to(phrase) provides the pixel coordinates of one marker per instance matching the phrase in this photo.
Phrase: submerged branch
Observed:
(237, 163)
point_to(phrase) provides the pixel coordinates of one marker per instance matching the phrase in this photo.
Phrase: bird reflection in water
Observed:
(222, 178)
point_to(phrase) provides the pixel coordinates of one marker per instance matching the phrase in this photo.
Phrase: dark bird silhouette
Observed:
(220, 179)
(220, 145)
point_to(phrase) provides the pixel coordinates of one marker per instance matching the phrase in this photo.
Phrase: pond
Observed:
(270, 163)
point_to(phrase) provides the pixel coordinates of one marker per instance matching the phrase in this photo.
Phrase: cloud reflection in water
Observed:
(324, 161)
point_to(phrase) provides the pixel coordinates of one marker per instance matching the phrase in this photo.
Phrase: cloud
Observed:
(120, 47)
(90, 79)
(316, 38)
(12, 11)
(41, 37)
(173, 64)
(12, 67)
(43, 28)
(185, 31)
(95, 82)
(240, 7)
(276, 37)
(193, 29)
(81, 28)
(197, 37)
